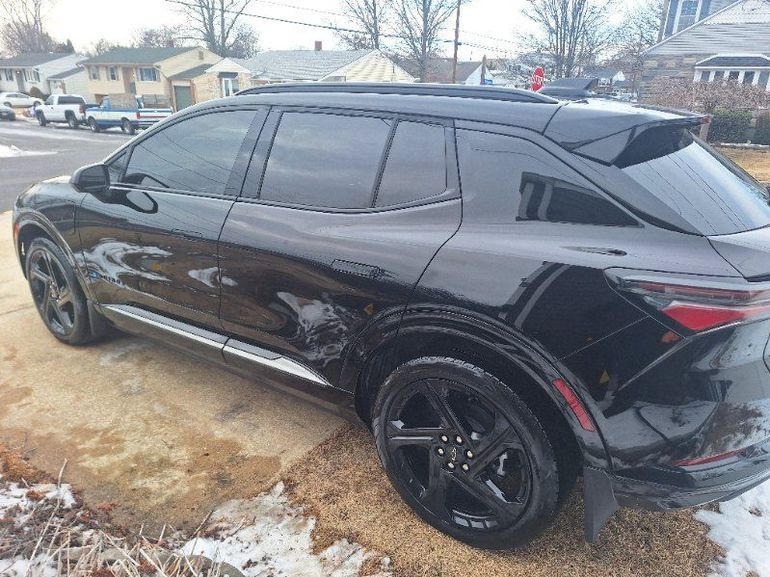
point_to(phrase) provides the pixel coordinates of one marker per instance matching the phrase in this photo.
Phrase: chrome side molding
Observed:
(229, 350)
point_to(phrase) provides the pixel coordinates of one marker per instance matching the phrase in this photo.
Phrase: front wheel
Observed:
(93, 125)
(127, 127)
(466, 453)
(56, 292)
(41, 119)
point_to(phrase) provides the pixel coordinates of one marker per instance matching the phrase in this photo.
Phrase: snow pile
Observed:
(268, 536)
(12, 151)
(742, 529)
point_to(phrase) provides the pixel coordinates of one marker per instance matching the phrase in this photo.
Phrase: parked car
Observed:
(128, 112)
(7, 113)
(69, 108)
(18, 99)
(508, 289)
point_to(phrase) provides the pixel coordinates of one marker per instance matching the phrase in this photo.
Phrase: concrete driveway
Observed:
(164, 436)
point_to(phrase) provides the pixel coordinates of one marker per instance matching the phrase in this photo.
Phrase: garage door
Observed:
(182, 97)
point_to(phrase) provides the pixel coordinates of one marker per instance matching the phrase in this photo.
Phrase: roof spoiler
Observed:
(611, 134)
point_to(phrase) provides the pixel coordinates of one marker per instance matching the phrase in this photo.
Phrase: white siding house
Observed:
(26, 71)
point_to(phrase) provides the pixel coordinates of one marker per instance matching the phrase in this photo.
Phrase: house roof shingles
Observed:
(136, 55)
(299, 64)
(31, 59)
(440, 69)
(191, 73)
(65, 74)
(736, 62)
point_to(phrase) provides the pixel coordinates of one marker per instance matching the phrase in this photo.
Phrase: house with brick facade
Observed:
(729, 43)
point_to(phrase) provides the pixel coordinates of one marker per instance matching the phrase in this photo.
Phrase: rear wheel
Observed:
(127, 127)
(72, 122)
(466, 453)
(56, 293)
(8, 104)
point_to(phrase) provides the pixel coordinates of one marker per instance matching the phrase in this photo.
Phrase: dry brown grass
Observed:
(343, 484)
(755, 162)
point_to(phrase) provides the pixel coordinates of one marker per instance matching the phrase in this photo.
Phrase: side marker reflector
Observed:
(575, 405)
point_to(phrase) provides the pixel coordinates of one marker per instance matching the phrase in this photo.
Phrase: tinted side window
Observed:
(116, 167)
(553, 200)
(71, 100)
(195, 155)
(507, 179)
(325, 160)
(416, 167)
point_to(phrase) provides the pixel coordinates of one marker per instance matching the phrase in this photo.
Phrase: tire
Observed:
(127, 127)
(8, 104)
(72, 122)
(93, 125)
(447, 432)
(56, 292)
(41, 119)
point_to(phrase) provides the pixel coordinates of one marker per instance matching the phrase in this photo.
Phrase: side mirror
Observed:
(92, 179)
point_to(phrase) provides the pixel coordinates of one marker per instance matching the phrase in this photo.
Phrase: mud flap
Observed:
(599, 502)
(100, 326)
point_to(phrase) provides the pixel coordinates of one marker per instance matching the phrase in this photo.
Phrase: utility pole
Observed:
(457, 43)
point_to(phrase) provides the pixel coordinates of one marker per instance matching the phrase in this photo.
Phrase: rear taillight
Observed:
(82, 109)
(138, 115)
(697, 303)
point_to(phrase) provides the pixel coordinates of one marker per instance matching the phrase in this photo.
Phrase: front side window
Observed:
(49, 100)
(196, 154)
(325, 160)
(148, 75)
(116, 167)
(416, 168)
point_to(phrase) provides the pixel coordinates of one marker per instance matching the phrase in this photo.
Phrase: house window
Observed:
(8, 74)
(230, 86)
(764, 79)
(689, 11)
(93, 72)
(748, 77)
(704, 75)
(148, 75)
(36, 75)
(112, 72)
(719, 76)
(734, 74)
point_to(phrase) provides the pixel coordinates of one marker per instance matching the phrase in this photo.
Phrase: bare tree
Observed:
(161, 37)
(372, 17)
(638, 32)
(215, 22)
(419, 23)
(22, 28)
(573, 33)
(100, 47)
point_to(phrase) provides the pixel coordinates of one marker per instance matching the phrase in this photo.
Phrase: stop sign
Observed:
(538, 78)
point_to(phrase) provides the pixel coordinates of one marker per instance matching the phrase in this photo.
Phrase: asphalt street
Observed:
(46, 152)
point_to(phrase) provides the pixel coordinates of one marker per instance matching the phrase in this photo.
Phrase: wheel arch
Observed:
(468, 337)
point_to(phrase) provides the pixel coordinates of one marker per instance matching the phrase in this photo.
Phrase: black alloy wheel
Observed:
(56, 293)
(466, 453)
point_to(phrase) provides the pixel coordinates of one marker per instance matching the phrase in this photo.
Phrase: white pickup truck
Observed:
(129, 112)
(69, 108)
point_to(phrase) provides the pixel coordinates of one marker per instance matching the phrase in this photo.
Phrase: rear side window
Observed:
(507, 179)
(416, 168)
(71, 100)
(705, 189)
(325, 160)
(196, 154)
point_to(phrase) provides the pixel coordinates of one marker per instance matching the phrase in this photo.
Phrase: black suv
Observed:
(509, 290)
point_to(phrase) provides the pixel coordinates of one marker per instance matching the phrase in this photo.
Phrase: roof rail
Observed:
(452, 90)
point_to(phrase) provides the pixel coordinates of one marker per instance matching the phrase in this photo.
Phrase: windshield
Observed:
(705, 189)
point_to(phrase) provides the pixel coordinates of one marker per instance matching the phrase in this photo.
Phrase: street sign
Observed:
(538, 79)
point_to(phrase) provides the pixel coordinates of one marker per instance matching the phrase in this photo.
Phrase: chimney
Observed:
(319, 45)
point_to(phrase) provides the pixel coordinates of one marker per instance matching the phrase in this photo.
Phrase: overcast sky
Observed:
(490, 24)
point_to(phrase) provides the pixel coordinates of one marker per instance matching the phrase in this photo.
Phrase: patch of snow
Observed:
(41, 566)
(13, 151)
(742, 528)
(267, 535)
(14, 498)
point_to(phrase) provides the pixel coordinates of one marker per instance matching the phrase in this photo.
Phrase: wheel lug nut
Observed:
(459, 440)
(444, 439)
(450, 465)
(469, 454)
(465, 467)
(440, 451)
